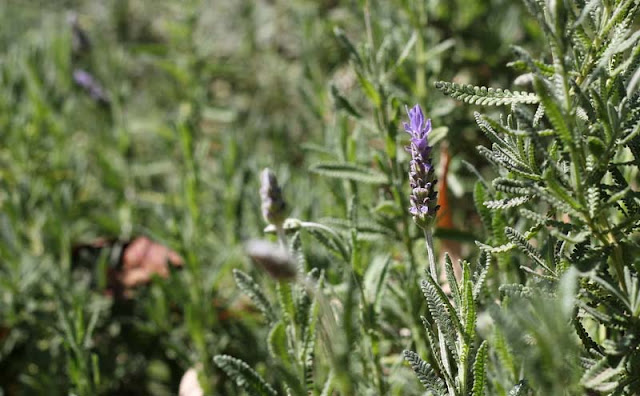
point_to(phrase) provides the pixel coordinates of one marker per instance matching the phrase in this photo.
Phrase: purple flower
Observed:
(419, 131)
(91, 85)
(421, 173)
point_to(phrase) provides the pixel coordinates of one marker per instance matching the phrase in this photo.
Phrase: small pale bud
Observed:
(272, 258)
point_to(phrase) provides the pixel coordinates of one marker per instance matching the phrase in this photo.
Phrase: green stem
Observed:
(421, 85)
(367, 23)
(428, 236)
(282, 237)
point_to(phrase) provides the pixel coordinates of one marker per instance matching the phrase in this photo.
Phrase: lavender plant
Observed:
(455, 324)
(565, 197)
(163, 134)
(304, 312)
(293, 323)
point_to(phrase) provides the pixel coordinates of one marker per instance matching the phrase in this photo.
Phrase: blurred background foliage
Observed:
(197, 97)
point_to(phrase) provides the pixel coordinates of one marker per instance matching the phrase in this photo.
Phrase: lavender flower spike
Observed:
(421, 173)
(274, 208)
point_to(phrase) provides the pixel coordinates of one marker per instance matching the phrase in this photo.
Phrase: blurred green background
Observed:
(196, 97)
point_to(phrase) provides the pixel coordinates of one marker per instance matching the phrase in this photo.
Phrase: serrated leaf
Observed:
(433, 346)
(481, 274)
(307, 352)
(520, 241)
(485, 96)
(249, 287)
(332, 244)
(479, 197)
(285, 297)
(425, 373)
(277, 342)
(501, 158)
(495, 249)
(601, 377)
(512, 186)
(507, 203)
(470, 314)
(443, 313)
(244, 376)
(479, 375)
(505, 357)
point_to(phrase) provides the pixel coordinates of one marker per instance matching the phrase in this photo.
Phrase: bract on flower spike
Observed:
(421, 172)
(274, 207)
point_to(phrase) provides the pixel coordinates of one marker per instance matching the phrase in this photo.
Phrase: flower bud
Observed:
(272, 258)
(274, 207)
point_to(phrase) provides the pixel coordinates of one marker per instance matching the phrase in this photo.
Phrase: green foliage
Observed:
(455, 332)
(566, 165)
(198, 97)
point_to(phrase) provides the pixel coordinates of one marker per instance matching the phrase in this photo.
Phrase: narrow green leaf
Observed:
(451, 279)
(346, 44)
(343, 103)
(554, 114)
(348, 171)
(369, 90)
(479, 198)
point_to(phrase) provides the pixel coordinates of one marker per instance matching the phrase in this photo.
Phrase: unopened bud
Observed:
(272, 258)
(274, 208)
